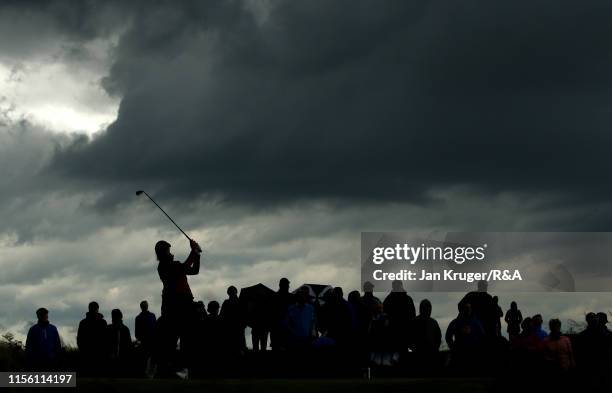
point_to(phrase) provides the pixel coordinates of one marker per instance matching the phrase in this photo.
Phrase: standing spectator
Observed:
(336, 316)
(119, 342)
(513, 319)
(145, 332)
(498, 314)
(233, 319)
(370, 301)
(380, 345)
(213, 360)
(425, 337)
(537, 322)
(464, 337)
(43, 345)
(300, 321)
(145, 324)
(282, 301)
(557, 349)
(481, 304)
(602, 320)
(90, 340)
(399, 307)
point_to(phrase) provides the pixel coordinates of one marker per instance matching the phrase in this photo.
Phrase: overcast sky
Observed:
(276, 131)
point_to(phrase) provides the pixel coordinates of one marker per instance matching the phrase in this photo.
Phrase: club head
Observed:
(139, 192)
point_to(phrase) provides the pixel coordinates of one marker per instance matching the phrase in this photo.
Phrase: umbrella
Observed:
(318, 292)
(257, 301)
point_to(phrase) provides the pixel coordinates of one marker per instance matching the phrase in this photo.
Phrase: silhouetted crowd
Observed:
(318, 333)
(348, 334)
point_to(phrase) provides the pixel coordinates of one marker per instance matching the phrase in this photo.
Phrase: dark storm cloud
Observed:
(358, 100)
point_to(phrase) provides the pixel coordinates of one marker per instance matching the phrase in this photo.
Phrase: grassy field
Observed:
(437, 385)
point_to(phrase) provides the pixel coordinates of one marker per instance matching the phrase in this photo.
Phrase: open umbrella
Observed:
(318, 292)
(257, 302)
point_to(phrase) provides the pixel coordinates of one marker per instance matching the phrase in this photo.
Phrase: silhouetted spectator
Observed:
(399, 307)
(536, 322)
(213, 355)
(91, 340)
(259, 321)
(360, 325)
(359, 316)
(144, 324)
(602, 320)
(464, 337)
(43, 345)
(370, 301)
(119, 342)
(144, 331)
(300, 321)
(527, 349)
(513, 319)
(591, 346)
(557, 349)
(282, 301)
(233, 318)
(498, 315)
(482, 308)
(336, 317)
(425, 335)
(200, 311)
(381, 347)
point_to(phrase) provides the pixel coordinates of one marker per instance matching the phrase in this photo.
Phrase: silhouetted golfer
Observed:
(177, 308)
(43, 345)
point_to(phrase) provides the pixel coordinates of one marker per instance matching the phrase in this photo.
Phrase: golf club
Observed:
(140, 192)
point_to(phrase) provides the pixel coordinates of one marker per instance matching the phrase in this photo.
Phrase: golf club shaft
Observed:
(170, 218)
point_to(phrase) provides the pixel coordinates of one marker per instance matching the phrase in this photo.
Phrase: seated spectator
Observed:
(43, 345)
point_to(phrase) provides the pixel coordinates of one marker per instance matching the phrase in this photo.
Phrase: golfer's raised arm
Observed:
(192, 263)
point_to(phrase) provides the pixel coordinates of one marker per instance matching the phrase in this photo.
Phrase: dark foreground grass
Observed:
(433, 385)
